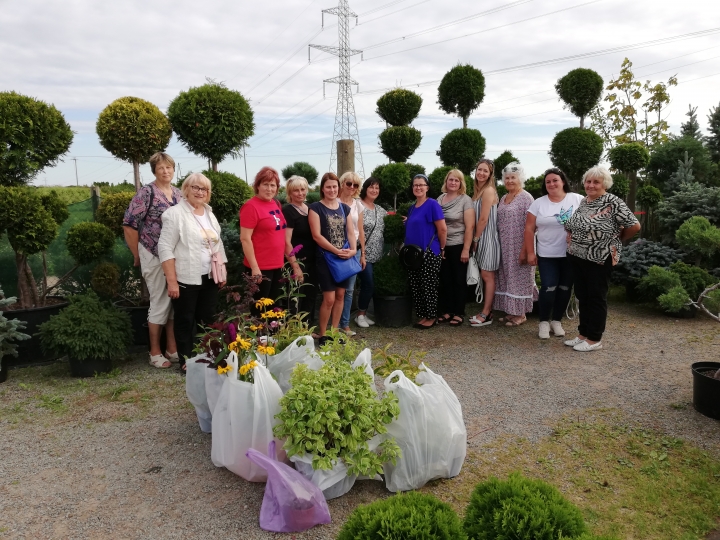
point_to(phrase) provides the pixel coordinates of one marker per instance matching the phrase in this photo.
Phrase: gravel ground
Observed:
(102, 476)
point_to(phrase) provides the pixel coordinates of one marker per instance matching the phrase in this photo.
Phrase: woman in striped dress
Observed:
(486, 243)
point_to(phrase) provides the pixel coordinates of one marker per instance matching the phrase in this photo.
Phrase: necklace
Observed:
(301, 209)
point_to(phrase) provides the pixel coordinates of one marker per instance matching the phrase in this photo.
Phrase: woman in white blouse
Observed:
(349, 190)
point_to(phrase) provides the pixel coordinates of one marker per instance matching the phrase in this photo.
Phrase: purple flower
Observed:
(295, 250)
(232, 332)
(274, 324)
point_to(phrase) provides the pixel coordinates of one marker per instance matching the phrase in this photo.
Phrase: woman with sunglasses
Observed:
(425, 227)
(349, 190)
(546, 220)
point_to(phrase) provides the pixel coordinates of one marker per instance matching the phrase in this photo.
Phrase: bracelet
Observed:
(475, 240)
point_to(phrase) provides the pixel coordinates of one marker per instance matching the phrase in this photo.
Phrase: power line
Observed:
(388, 14)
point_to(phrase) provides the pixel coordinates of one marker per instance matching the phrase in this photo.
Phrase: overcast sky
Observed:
(80, 55)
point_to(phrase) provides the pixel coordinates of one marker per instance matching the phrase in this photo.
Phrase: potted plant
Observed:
(90, 332)
(706, 388)
(390, 298)
(9, 331)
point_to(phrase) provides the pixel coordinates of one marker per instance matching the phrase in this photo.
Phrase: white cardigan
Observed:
(180, 239)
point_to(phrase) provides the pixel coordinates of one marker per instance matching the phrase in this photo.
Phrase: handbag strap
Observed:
(205, 235)
(431, 238)
(373, 229)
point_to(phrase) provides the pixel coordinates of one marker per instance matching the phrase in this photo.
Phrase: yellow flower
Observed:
(266, 350)
(245, 344)
(263, 302)
(222, 370)
(247, 367)
(258, 327)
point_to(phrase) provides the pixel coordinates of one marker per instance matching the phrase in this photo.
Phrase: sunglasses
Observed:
(352, 184)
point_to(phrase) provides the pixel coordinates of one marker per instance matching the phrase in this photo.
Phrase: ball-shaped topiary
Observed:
(390, 276)
(621, 185)
(408, 516)
(229, 193)
(111, 210)
(575, 150)
(105, 279)
(520, 508)
(399, 107)
(629, 157)
(88, 241)
(58, 209)
(581, 90)
(395, 179)
(500, 162)
(462, 149)
(301, 168)
(461, 91)
(212, 121)
(394, 232)
(33, 135)
(399, 142)
(649, 196)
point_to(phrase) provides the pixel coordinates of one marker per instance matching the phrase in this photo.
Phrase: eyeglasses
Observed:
(352, 184)
(199, 189)
(419, 186)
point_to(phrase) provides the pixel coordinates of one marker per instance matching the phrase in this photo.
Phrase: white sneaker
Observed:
(573, 342)
(369, 321)
(349, 332)
(584, 346)
(544, 331)
(557, 328)
(362, 321)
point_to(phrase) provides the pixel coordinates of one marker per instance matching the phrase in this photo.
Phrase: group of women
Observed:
(573, 240)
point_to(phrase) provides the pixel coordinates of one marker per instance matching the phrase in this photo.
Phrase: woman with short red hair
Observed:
(262, 234)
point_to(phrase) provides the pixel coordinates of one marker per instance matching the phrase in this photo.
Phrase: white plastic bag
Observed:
(429, 430)
(300, 351)
(364, 360)
(213, 386)
(243, 418)
(195, 390)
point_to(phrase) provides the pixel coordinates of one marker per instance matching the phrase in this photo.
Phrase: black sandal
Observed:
(445, 319)
(455, 322)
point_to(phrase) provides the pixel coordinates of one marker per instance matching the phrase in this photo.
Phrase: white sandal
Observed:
(173, 357)
(159, 361)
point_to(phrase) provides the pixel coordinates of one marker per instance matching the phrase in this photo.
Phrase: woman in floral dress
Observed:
(516, 288)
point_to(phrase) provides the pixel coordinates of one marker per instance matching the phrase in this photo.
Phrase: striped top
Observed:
(488, 248)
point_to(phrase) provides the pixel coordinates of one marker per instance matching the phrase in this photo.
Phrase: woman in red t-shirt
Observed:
(262, 235)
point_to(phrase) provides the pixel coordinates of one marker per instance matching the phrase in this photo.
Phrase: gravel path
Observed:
(99, 476)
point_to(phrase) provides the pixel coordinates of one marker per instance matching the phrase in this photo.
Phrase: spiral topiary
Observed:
(520, 508)
(410, 516)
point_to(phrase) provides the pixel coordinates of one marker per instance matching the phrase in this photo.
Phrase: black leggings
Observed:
(592, 281)
(196, 305)
(453, 282)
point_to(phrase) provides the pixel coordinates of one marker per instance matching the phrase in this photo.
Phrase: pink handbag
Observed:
(219, 272)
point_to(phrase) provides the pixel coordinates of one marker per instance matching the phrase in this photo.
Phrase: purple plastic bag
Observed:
(291, 503)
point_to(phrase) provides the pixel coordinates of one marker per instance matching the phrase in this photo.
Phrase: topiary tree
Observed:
(688, 201)
(629, 159)
(33, 136)
(394, 179)
(664, 162)
(621, 186)
(132, 130)
(229, 193)
(575, 150)
(462, 149)
(399, 142)
(212, 121)
(699, 237)
(394, 200)
(502, 161)
(89, 241)
(581, 90)
(301, 168)
(522, 509)
(410, 516)
(461, 91)
(712, 141)
(399, 107)
(437, 178)
(111, 211)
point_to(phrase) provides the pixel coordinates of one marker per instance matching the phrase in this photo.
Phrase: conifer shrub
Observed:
(521, 508)
(637, 258)
(410, 516)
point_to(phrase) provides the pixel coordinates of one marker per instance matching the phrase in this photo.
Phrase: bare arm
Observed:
(297, 271)
(171, 278)
(350, 228)
(441, 228)
(469, 220)
(488, 198)
(361, 239)
(530, 227)
(249, 250)
(628, 232)
(132, 239)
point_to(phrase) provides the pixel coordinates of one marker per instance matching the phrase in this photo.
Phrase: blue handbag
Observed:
(342, 269)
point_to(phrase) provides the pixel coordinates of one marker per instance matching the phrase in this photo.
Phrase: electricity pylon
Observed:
(345, 123)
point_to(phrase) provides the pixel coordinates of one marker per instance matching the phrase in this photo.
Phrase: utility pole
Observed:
(245, 161)
(345, 123)
(77, 181)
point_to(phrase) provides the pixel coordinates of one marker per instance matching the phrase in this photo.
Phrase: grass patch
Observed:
(629, 482)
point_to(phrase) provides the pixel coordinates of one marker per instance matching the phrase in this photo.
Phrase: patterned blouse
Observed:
(594, 228)
(142, 208)
(374, 227)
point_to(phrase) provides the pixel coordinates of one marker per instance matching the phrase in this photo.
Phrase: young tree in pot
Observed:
(90, 332)
(392, 304)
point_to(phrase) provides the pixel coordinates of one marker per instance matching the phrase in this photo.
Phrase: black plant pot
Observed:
(29, 351)
(89, 367)
(3, 371)
(138, 320)
(393, 311)
(706, 389)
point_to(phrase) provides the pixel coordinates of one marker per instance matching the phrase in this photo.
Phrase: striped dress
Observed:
(488, 248)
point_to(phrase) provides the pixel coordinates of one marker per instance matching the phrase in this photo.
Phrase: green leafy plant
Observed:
(394, 229)
(658, 281)
(390, 277)
(693, 278)
(621, 185)
(387, 362)
(111, 211)
(575, 150)
(581, 90)
(33, 136)
(394, 179)
(406, 516)
(699, 237)
(462, 149)
(520, 508)
(399, 142)
(132, 130)
(674, 300)
(212, 121)
(399, 107)
(502, 161)
(229, 193)
(301, 168)
(89, 241)
(533, 186)
(87, 329)
(105, 280)
(461, 91)
(390, 200)
(629, 159)
(664, 160)
(332, 413)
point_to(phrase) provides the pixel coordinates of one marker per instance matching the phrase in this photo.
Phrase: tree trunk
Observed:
(582, 122)
(214, 165)
(395, 203)
(632, 175)
(464, 122)
(136, 175)
(27, 288)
